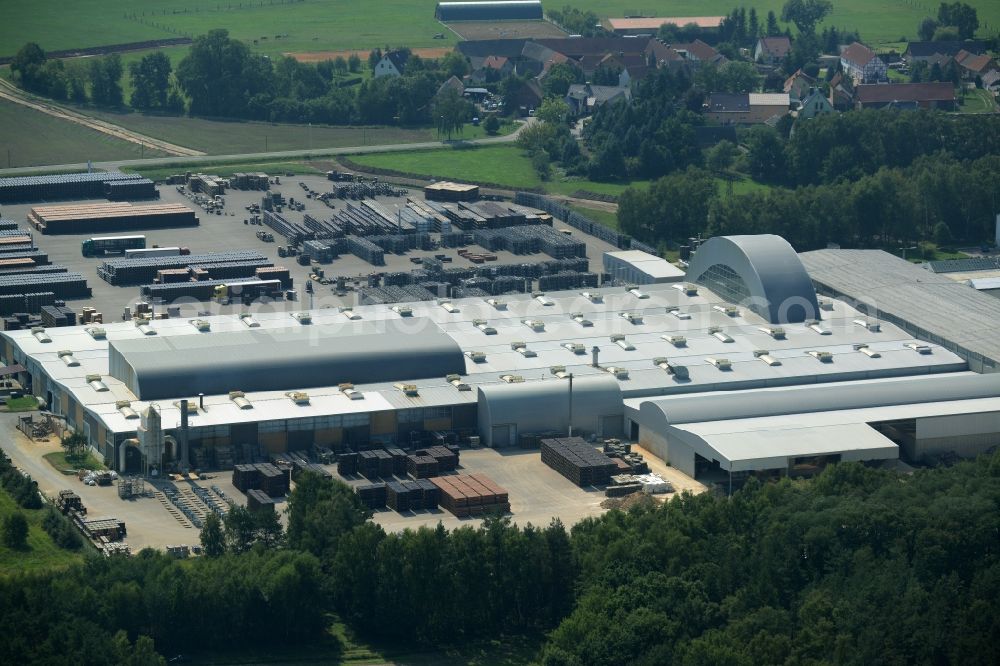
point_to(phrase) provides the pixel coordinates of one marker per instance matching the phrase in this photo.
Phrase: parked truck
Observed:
(100, 246)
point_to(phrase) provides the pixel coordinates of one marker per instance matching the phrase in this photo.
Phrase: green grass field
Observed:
(31, 138)
(977, 101)
(66, 464)
(604, 217)
(26, 403)
(217, 137)
(41, 552)
(321, 25)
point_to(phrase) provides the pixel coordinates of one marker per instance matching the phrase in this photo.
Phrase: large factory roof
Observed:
(157, 367)
(925, 304)
(542, 331)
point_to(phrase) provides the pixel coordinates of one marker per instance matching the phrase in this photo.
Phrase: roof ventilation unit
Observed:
(719, 334)
(592, 297)
(775, 332)
(619, 373)
(476, 356)
(66, 356)
(821, 356)
(675, 340)
(351, 392)
(456, 381)
(581, 320)
(124, 407)
(678, 371)
(201, 324)
(512, 379)
(143, 326)
(249, 321)
(632, 317)
(40, 334)
(192, 405)
(814, 326)
(240, 400)
(826, 304)
(720, 363)
(350, 313)
(448, 307)
(303, 318)
(559, 371)
(409, 390)
(867, 351)
(94, 381)
(917, 347)
(575, 347)
(497, 303)
(622, 342)
(97, 332)
(766, 357)
(687, 289)
(872, 326)
(675, 311)
(298, 397)
(536, 325)
(522, 349)
(403, 310)
(637, 293)
(543, 299)
(728, 310)
(484, 327)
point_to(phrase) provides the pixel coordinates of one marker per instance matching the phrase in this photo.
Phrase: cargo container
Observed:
(100, 246)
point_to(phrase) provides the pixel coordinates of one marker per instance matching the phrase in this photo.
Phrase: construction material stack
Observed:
(471, 495)
(578, 461)
(258, 500)
(372, 495)
(62, 186)
(122, 216)
(130, 190)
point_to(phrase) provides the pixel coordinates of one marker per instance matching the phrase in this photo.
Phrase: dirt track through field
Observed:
(12, 94)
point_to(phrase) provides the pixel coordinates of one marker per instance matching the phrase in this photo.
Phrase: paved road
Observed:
(274, 155)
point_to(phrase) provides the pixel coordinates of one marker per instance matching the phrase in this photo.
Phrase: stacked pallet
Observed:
(85, 218)
(62, 186)
(258, 500)
(54, 316)
(412, 495)
(229, 270)
(422, 467)
(398, 461)
(246, 477)
(567, 280)
(273, 481)
(347, 464)
(372, 495)
(447, 458)
(130, 190)
(63, 285)
(578, 461)
(128, 271)
(471, 495)
(245, 288)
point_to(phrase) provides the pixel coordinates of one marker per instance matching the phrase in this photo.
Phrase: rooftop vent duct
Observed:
(67, 357)
(559, 371)
(497, 303)
(719, 334)
(867, 351)
(249, 321)
(95, 382)
(303, 318)
(456, 381)
(575, 347)
(917, 347)
(403, 310)
(298, 397)
(814, 326)
(40, 334)
(476, 356)
(720, 363)
(512, 379)
(687, 289)
(775, 332)
(483, 326)
(522, 349)
(97, 332)
(635, 291)
(537, 325)
(448, 307)
(201, 324)
(581, 320)
(350, 313)
(240, 400)
(619, 373)
(543, 299)
(143, 327)
(409, 390)
(592, 297)
(632, 317)
(675, 311)
(728, 310)
(872, 326)
(821, 356)
(622, 342)
(678, 371)
(352, 393)
(124, 407)
(766, 357)
(675, 340)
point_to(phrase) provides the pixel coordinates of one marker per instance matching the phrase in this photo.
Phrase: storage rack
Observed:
(63, 186)
(578, 461)
(122, 271)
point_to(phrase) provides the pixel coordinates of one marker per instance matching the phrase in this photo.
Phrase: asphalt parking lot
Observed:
(227, 232)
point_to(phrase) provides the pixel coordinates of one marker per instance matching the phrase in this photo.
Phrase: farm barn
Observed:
(503, 10)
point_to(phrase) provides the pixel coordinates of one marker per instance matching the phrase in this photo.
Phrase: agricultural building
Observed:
(499, 10)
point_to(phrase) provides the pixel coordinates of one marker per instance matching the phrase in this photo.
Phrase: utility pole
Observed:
(570, 377)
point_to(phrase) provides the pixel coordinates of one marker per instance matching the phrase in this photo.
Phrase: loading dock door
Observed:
(503, 436)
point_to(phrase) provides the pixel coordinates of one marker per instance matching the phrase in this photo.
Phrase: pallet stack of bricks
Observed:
(467, 495)
(578, 461)
(447, 459)
(372, 495)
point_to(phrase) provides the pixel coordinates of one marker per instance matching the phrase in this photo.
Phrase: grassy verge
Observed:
(41, 552)
(27, 403)
(607, 218)
(69, 464)
(977, 101)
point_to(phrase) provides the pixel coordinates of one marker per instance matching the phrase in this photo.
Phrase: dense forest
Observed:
(857, 566)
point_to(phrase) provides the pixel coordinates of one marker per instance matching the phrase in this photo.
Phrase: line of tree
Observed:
(857, 566)
(21, 487)
(955, 20)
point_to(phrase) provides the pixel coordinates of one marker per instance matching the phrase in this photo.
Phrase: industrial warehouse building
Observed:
(715, 374)
(499, 10)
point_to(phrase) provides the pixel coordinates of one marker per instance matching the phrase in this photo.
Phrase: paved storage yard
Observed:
(227, 232)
